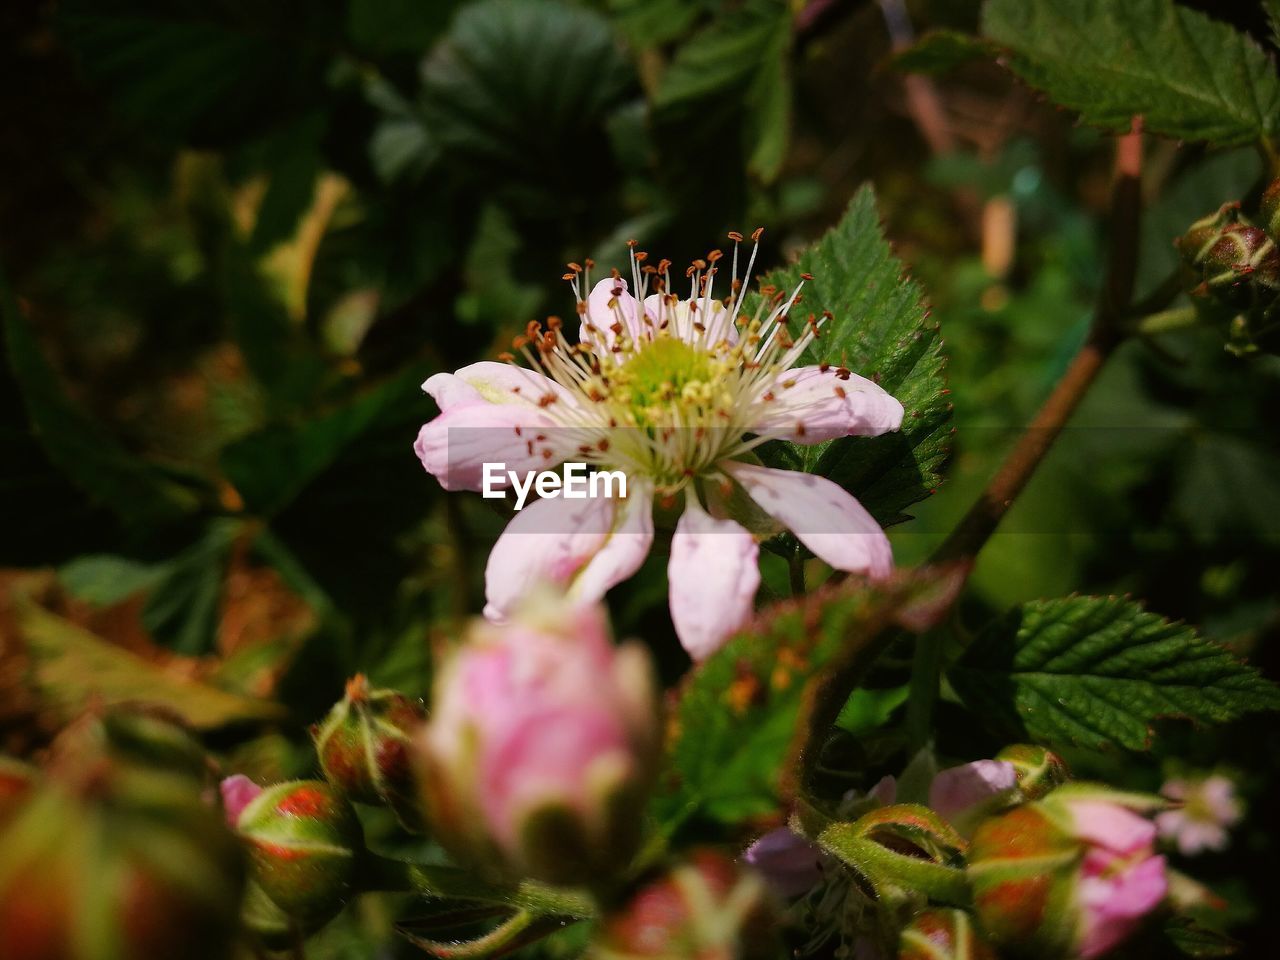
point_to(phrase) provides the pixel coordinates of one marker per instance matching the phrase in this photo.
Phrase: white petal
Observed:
(492, 382)
(601, 319)
(548, 541)
(713, 576)
(455, 446)
(825, 518)
(811, 405)
(627, 545)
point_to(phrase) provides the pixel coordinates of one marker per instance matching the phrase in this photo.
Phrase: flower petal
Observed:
(791, 865)
(492, 382)
(1112, 905)
(825, 518)
(1111, 826)
(970, 788)
(625, 548)
(713, 576)
(455, 446)
(811, 405)
(611, 311)
(548, 541)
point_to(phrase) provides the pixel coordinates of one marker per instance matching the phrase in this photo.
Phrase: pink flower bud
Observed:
(364, 745)
(943, 935)
(304, 840)
(962, 795)
(705, 907)
(1071, 875)
(541, 745)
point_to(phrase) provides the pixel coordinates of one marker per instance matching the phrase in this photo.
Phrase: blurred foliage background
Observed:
(236, 236)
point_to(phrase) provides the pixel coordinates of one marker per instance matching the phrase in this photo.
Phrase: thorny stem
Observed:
(973, 531)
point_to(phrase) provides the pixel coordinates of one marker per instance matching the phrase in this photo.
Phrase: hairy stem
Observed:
(973, 531)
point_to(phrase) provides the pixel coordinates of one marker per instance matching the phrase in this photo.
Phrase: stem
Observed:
(1179, 318)
(795, 566)
(968, 538)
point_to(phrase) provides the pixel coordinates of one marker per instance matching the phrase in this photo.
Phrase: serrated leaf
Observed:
(1189, 76)
(133, 489)
(941, 50)
(1099, 672)
(73, 668)
(881, 330)
(736, 721)
(514, 81)
(740, 61)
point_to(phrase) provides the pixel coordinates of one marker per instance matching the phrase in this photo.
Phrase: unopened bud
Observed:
(1195, 244)
(107, 859)
(364, 748)
(303, 840)
(705, 907)
(1038, 770)
(1071, 875)
(541, 746)
(943, 935)
(1236, 254)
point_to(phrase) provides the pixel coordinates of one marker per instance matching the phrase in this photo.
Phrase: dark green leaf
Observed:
(740, 60)
(1192, 939)
(941, 50)
(293, 164)
(1099, 672)
(1189, 76)
(137, 492)
(881, 330)
(182, 608)
(736, 722)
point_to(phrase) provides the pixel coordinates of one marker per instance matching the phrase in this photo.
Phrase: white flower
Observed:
(1207, 810)
(676, 394)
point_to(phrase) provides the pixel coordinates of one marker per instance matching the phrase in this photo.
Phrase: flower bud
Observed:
(303, 840)
(542, 745)
(1071, 875)
(363, 746)
(110, 861)
(705, 907)
(1195, 244)
(943, 935)
(1038, 770)
(1236, 254)
(17, 781)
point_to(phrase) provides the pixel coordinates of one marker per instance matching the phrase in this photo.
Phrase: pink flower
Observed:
(675, 394)
(791, 864)
(537, 725)
(238, 792)
(964, 794)
(1208, 808)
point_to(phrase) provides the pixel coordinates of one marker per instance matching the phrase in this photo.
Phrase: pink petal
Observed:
(713, 576)
(957, 790)
(609, 305)
(1219, 795)
(625, 548)
(491, 382)
(812, 405)
(238, 792)
(1112, 906)
(548, 541)
(790, 864)
(825, 518)
(455, 446)
(1111, 826)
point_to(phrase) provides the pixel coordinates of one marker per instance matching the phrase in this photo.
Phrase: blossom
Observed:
(1208, 808)
(541, 744)
(676, 394)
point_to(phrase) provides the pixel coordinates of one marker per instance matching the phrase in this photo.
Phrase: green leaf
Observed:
(514, 81)
(182, 608)
(1099, 672)
(881, 330)
(1272, 8)
(71, 668)
(740, 60)
(104, 580)
(736, 723)
(133, 489)
(1189, 76)
(939, 51)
